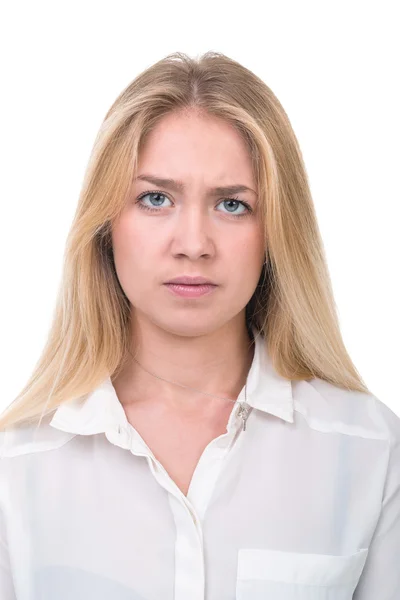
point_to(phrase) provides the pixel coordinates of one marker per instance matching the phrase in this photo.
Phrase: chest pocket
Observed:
(282, 575)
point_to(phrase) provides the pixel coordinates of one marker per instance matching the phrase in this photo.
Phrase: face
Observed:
(192, 230)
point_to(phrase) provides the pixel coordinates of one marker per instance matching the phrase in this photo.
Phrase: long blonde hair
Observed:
(293, 305)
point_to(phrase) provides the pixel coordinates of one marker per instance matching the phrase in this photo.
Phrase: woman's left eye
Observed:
(155, 208)
(238, 202)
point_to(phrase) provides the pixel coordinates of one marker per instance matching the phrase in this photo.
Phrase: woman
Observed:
(203, 438)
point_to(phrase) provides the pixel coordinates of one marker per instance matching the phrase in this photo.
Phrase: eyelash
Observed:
(236, 199)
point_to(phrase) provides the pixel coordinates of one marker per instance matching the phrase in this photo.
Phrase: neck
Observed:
(217, 363)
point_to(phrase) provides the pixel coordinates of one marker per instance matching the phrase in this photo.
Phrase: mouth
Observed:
(190, 280)
(191, 290)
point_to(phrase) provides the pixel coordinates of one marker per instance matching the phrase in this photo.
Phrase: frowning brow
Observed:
(178, 186)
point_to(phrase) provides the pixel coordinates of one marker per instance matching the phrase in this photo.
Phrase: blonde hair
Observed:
(293, 305)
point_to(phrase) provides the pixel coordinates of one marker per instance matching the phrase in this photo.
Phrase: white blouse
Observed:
(302, 505)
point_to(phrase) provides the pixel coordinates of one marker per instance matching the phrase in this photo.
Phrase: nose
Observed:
(193, 233)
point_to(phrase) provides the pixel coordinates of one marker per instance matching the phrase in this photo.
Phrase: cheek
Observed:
(242, 267)
(138, 254)
(128, 253)
(131, 259)
(130, 241)
(248, 250)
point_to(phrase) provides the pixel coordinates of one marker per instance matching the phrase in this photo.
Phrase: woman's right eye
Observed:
(153, 207)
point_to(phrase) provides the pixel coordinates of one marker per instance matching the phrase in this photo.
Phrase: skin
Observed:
(199, 342)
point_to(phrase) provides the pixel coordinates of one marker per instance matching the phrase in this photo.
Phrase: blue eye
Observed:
(144, 206)
(156, 208)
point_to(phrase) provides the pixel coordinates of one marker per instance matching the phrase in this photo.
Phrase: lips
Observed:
(190, 291)
(190, 280)
(192, 285)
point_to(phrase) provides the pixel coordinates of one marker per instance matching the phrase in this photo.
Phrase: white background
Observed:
(333, 65)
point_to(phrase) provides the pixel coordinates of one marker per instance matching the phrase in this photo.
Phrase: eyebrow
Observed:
(178, 186)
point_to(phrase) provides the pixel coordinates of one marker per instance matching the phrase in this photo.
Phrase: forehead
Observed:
(199, 147)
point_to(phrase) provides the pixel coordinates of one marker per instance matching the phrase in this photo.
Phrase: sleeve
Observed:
(380, 577)
(7, 591)
(6, 582)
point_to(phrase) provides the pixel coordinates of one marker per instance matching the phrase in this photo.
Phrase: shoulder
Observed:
(23, 440)
(331, 408)
(18, 446)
